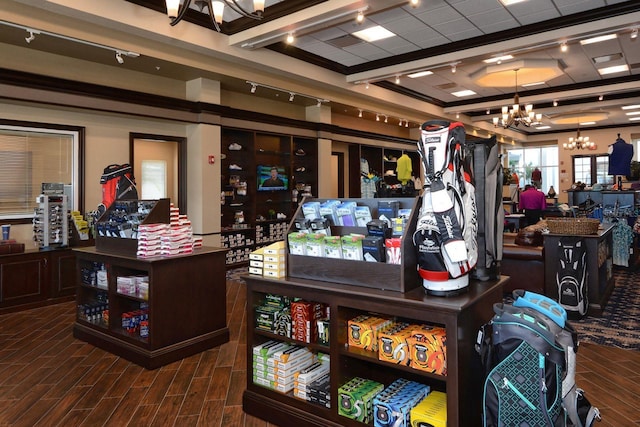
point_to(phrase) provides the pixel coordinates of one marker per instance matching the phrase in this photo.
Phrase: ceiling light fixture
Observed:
(290, 38)
(386, 119)
(420, 74)
(601, 97)
(579, 143)
(613, 69)
(517, 114)
(634, 34)
(555, 102)
(397, 80)
(31, 31)
(454, 68)
(598, 39)
(564, 47)
(360, 17)
(366, 85)
(400, 122)
(359, 113)
(377, 117)
(32, 35)
(292, 94)
(414, 3)
(119, 58)
(176, 12)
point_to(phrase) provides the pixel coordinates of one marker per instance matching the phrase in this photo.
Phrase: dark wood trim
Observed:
(198, 110)
(182, 161)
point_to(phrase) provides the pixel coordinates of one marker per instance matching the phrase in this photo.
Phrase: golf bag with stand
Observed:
(528, 351)
(571, 277)
(487, 181)
(445, 237)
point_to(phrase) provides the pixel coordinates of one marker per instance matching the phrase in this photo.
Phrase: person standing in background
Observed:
(536, 178)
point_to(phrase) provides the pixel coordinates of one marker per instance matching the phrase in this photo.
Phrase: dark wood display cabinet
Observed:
(460, 315)
(253, 215)
(183, 310)
(36, 278)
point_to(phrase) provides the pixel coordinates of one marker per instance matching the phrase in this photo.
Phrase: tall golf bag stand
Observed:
(445, 237)
(571, 276)
(487, 181)
(528, 351)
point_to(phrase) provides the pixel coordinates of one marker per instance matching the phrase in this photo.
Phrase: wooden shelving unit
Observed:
(461, 316)
(186, 305)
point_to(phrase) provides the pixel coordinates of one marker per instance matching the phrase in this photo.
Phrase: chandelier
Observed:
(517, 114)
(579, 142)
(215, 9)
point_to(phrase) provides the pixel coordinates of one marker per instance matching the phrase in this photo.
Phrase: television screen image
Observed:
(272, 178)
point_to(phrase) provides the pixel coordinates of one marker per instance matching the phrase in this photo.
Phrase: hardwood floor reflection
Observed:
(48, 378)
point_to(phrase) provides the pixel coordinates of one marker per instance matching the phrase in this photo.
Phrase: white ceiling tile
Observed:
(452, 27)
(329, 33)
(568, 7)
(440, 15)
(470, 32)
(492, 19)
(473, 7)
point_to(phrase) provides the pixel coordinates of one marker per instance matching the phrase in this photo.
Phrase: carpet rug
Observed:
(619, 325)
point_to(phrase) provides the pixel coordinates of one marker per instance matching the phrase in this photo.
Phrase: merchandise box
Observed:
(401, 277)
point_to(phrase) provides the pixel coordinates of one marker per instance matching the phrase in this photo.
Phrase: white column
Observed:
(203, 177)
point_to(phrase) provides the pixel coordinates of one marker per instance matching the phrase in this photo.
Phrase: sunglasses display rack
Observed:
(51, 221)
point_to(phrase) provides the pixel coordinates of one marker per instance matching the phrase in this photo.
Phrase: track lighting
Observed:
(601, 97)
(366, 85)
(359, 113)
(555, 102)
(386, 119)
(291, 96)
(319, 103)
(453, 68)
(119, 58)
(397, 80)
(253, 87)
(414, 3)
(290, 38)
(563, 47)
(634, 34)
(360, 17)
(32, 36)
(377, 117)
(400, 122)
(406, 124)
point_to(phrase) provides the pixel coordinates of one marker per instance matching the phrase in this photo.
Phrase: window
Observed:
(523, 161)
(591, 169)
(32, 154)
(154, 179)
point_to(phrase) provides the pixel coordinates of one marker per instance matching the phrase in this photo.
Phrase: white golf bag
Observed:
(445, 237)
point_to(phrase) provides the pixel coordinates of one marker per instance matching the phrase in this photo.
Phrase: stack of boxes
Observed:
(269, 261)
(392, 407)
(312, 383)
(355, 399)
(421, 347)
(275, 364)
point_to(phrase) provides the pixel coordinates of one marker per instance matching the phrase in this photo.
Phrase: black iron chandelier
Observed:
(517, 114)
(176, 12)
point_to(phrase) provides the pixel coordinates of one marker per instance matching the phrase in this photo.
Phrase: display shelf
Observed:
(186, 305)
(398, 277)
(461, 316)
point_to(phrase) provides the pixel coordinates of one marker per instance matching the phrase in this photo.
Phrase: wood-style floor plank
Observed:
(48, 378)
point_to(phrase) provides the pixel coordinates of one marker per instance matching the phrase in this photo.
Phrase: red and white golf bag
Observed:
(445, 237)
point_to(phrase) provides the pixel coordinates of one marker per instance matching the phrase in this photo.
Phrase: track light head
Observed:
(290, 38)
(634, 34)
(119, 57)
(291, 96)
(31, 37)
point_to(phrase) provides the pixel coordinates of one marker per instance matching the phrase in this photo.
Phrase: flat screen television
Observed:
(272, 178)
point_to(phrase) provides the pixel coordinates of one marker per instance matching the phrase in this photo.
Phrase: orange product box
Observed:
(392, 343)
(428, 349)
(363, 331)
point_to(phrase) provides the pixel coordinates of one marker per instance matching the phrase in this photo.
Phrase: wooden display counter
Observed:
(184, 311)
(600, 281)
(460, 315)
(36, 278)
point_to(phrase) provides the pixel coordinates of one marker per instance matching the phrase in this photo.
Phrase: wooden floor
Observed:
(48, 378)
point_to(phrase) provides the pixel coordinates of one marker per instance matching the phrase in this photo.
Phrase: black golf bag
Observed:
(571, 276)
(487, 180)
(528, 351)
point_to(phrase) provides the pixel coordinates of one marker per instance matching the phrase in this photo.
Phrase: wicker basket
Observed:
(573, 226)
